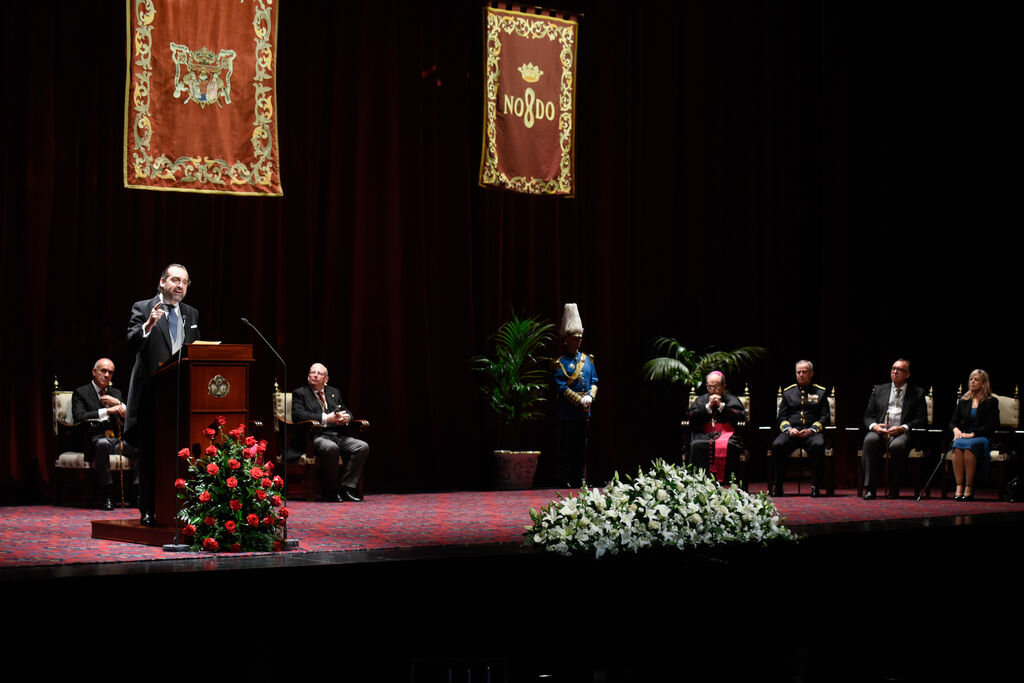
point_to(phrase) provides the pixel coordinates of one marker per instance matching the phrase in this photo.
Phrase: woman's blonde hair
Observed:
(986, 390)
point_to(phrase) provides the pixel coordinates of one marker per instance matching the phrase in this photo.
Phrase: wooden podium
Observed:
(210, 380)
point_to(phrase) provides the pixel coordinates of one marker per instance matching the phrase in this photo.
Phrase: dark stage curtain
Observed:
(718, 147)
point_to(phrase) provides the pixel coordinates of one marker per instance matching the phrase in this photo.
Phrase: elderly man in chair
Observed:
(322, 403)
(100, 407)
(714, 417)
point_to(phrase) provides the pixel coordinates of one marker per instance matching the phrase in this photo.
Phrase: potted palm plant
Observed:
(676, 372)
(514, 378)
(677, 364)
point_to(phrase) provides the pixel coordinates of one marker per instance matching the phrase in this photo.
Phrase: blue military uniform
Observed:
(575, 377)
(801, 407)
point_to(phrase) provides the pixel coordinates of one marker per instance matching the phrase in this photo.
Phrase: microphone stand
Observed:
(121, 454)
(176, 546)
(938, 465)
(886, 456)
(286, 542)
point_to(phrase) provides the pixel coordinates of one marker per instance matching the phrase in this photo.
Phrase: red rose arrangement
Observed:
(226, 512)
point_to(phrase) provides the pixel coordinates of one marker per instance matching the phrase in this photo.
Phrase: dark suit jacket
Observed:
(988, 417)
(305, 406)
(150, 352)
(915, 410)
(85, 406)
(731, 412)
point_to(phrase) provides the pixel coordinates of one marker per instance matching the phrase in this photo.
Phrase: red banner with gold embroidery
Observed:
(200, 105)
(529, 102)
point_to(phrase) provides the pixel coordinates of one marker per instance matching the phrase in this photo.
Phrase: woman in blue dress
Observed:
(974, 421)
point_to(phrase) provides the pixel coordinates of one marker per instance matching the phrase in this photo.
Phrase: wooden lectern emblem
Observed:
(218, 387)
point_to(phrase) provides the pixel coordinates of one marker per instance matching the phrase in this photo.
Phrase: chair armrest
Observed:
(301, 423)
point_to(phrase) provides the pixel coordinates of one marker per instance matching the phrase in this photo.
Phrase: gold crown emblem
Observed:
(204, 56)
(203, 60)
(530, 73)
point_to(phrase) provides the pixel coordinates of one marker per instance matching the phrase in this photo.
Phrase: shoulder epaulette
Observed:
(790, 386)
(819, 387)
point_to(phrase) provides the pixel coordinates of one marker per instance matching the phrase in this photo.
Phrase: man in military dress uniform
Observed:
(576, 381)
(803, 414)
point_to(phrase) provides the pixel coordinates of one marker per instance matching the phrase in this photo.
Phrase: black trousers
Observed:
(783, 447)
(571, 459)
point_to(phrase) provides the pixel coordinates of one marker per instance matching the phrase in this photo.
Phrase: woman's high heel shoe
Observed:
(959, 495)
(968, 496)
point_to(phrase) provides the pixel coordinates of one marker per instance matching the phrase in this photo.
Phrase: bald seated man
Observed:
(714, 417)
(100, 407)
(331, 440)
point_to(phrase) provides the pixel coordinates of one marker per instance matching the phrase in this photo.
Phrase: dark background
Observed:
(834, 181)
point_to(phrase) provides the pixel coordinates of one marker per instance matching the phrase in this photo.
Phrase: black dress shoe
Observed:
(869, 494)
(815, 492)
(893, 494)
(147, 519)
(108, 503)
(349, 496)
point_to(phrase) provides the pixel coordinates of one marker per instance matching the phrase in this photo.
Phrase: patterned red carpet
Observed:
(846, 506)
(44, 535)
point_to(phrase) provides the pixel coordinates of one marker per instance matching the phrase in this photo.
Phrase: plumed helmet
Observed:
(572, 326)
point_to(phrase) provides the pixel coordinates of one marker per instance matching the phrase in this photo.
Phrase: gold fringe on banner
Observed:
(529, 101)
(200, 108)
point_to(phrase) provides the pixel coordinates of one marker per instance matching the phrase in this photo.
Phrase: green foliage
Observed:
(678, 364)
(232, 500)
(514, 378)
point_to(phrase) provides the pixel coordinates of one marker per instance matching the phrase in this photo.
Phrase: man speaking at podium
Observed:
(157, 330)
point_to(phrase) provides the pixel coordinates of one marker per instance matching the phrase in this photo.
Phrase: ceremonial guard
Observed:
(576, 381)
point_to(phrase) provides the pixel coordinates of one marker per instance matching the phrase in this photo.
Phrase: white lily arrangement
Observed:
(669, 507)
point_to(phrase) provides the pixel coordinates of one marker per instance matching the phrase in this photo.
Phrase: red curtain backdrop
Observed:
(830, 173)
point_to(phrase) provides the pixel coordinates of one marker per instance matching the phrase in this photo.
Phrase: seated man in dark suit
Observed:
(322, 403)
(98, 407)
(713, 419)
(893, 410)
(803, 414)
